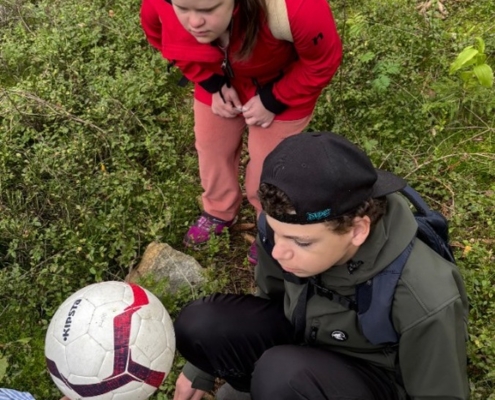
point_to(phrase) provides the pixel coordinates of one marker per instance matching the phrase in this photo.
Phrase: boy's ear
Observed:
(360, 230)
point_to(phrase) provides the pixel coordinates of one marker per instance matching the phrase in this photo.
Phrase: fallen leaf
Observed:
(466, 250)
(247, 226)
(248, 238)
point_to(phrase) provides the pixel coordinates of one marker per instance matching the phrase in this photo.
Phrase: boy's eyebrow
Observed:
(306, 238)
(293, 237)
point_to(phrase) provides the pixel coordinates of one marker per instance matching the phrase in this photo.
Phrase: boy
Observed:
(335, 222)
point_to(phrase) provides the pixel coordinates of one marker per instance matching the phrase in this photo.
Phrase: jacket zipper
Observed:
(226, 66)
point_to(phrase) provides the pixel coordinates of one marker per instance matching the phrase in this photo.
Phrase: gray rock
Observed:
(161, 261)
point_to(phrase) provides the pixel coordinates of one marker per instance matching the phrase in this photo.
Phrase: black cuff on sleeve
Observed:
(269, 101)
(199, 379)
(213, 84)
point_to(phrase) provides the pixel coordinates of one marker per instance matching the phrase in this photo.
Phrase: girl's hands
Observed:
(255, 113)
(225, 103)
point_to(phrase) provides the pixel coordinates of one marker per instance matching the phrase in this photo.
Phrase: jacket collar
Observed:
(386, 241)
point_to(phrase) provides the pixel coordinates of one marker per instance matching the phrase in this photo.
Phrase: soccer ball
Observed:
(110, 341)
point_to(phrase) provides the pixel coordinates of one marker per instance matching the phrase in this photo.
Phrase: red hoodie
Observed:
(289, 77)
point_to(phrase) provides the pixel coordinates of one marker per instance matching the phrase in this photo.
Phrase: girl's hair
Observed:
(275, 202)
(252, 14)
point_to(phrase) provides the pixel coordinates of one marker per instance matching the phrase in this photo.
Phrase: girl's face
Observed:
(206, 20)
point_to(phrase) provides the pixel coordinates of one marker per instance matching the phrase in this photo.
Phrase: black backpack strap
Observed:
(375, 298)
(265, 233)
(416, 200)
(320, 290)
(433, 228)
(299, 314)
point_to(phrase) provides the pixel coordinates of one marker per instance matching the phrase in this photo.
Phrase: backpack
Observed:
(278, 20)
(374, 298)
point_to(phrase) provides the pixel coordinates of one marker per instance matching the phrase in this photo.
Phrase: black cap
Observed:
(325, 176)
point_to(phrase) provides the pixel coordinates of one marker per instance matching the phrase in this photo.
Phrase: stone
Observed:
(161, 261)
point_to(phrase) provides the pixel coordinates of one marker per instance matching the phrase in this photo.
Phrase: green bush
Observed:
(96, 161)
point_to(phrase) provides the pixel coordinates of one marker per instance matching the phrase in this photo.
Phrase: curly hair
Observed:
(275, 202)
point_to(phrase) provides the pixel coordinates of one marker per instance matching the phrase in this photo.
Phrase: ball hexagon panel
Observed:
(106, 368)
(168, 327)
(57, 350)
(164, 361)
(154, 310)
(113, 291)
(151, 329)
(85, 356)
(103, 321)
(70, 320)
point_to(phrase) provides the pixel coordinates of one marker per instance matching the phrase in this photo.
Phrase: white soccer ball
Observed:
(110, 341)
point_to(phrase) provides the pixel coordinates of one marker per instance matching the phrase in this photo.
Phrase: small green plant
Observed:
(471, 66)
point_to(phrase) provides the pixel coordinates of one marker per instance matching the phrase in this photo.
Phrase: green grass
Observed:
(97, 155)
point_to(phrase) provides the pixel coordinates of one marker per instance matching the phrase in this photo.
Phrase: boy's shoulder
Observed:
(429, 280)
(428, 284)
(426, 269)
(429, 273)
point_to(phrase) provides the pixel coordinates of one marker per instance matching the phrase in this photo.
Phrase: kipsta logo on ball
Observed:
(110, 340)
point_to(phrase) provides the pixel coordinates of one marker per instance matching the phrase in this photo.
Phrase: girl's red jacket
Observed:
(289, 77)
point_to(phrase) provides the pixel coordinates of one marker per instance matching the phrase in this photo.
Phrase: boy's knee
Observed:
(275, 372)
(196, 321)
(207, 319)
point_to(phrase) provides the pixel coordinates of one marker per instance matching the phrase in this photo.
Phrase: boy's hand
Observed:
(255, 113)
(184, 390)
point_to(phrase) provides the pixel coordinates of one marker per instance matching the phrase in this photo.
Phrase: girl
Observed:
(243, 77)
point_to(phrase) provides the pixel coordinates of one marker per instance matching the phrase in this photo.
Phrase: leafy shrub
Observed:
(95, 139)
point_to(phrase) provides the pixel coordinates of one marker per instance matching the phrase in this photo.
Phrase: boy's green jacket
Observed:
(429, 312)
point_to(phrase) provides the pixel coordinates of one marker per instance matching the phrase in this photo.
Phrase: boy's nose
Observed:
(281, 252)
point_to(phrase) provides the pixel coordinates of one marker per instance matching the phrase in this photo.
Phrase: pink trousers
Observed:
(219, 144)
